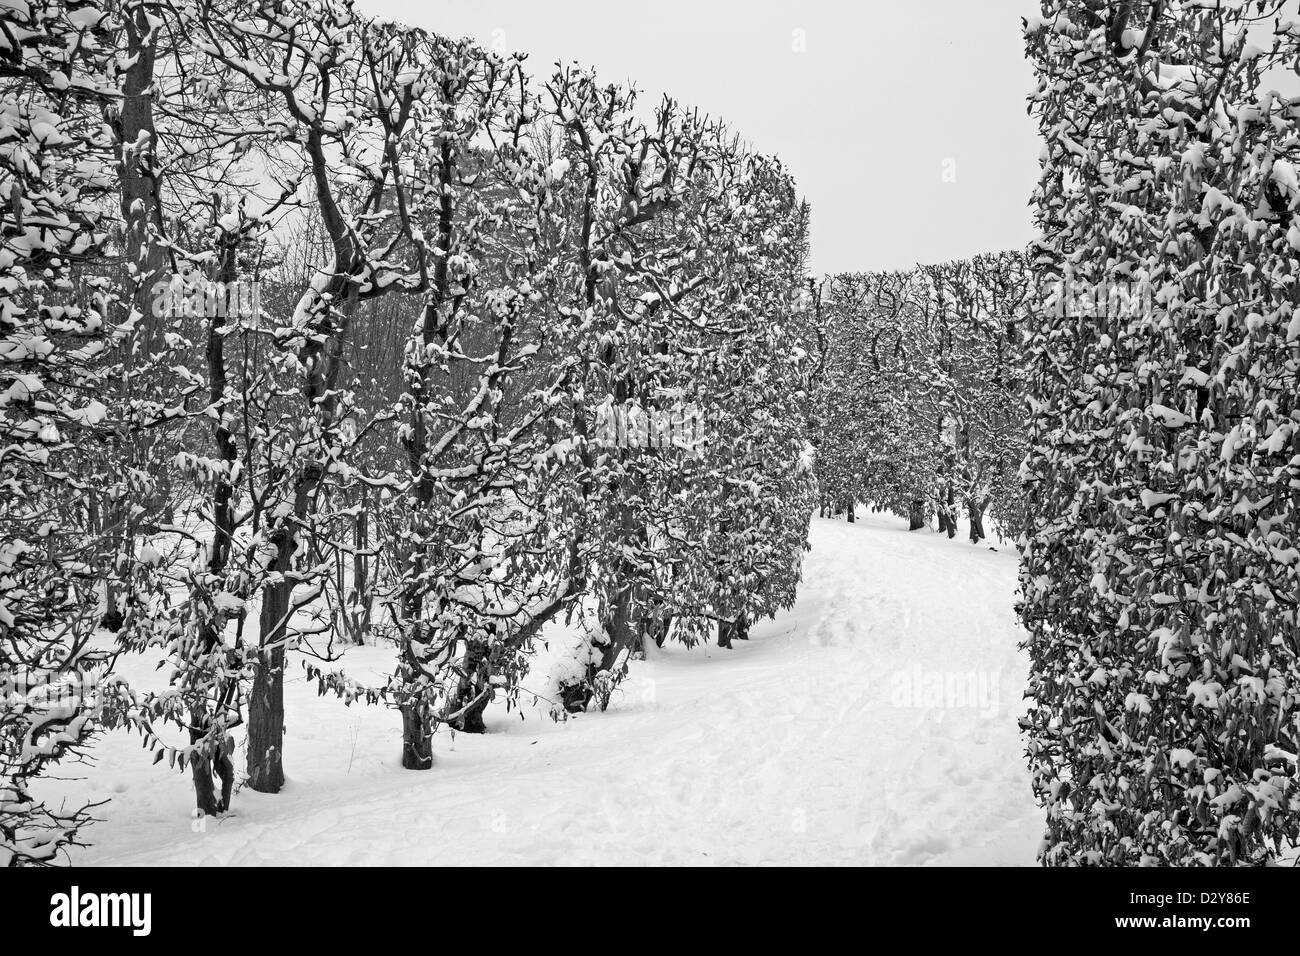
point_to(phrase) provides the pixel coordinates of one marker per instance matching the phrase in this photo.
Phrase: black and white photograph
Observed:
(695, 434)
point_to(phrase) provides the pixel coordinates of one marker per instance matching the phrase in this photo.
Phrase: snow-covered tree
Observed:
(292, 113)
(470, 555)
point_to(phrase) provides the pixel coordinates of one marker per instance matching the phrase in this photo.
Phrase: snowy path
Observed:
(876, 723)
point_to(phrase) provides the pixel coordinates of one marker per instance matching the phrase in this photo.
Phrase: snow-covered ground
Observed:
(875, 723)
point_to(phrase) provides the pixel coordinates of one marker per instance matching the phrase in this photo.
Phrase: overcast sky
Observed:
(903, 121)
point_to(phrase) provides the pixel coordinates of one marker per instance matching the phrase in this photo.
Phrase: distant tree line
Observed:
(921, 392)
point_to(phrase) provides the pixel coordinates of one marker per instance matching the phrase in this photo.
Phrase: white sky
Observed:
(885, 92)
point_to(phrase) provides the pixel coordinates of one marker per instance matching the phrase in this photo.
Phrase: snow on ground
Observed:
(873, 724)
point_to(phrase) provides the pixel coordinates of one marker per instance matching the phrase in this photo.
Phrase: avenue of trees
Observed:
(319, 330)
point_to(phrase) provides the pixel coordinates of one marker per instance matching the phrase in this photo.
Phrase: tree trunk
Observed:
(201, 769)
(657, 628)
(266, 700)
(916, 516)
(737, 630)
(947, 520)
(621, 624)
(205, 798)
(622, 629)
(472, 685)
(417, 737)
(623, 632)
(140, 208)
(360, 574)
(976, 511)
(223, 525)
(112, 619)
(574, 697)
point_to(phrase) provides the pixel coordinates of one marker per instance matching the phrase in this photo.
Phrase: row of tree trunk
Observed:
(916, 519)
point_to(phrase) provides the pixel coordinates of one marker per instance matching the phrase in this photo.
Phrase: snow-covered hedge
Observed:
(54, 150)
(1161, 573)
